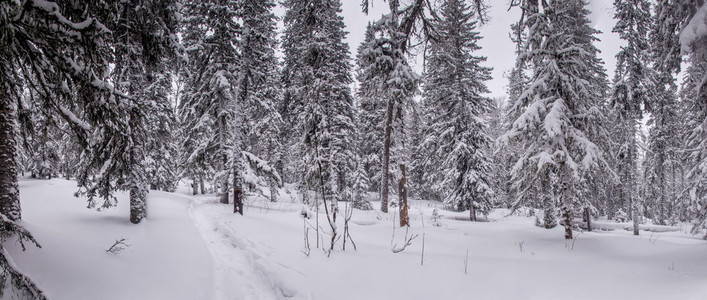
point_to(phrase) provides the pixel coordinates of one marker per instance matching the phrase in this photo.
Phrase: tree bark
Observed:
(237, 194)
(194, 186)
(224, 191)
(202, 188)
(567, 221)
(472, 210)
(403, 194)
(138, 190)
(385, 169)
(588, 218)
(9, 188)
(138, 204)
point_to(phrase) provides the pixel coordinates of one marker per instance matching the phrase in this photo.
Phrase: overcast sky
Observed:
(496, 45)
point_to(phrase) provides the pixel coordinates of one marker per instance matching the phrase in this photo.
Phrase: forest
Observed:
(135, 96)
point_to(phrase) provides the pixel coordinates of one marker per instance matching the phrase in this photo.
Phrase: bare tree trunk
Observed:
(588, 218)
(138, 192)
(138, 204)
(9, 188)
(237, 194)
(194, 186)
(566, 203)
(202, 188)
(224, 191)
(403, 194)
(472, 210)
(567, 221)
(636, 225)
(385, 170)
(273, 190)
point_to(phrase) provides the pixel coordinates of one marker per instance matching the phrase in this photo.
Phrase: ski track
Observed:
(242, 270)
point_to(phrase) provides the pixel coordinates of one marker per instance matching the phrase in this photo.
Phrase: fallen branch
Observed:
(117, 247)
(408, 242)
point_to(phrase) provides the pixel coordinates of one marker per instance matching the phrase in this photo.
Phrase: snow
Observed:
(695, 29)
(192, 247)
(165, 260)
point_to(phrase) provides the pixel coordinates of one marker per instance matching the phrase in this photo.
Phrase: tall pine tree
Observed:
(259, 86)
(389, 77)
(454, 82)
(662, 158)
(557, 106)
(631, 92)
(210, 112)
(695, 104)
(317, 60)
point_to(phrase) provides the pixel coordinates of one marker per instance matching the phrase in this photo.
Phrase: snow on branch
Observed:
(695, 29)
(257, 168)
(18, 282)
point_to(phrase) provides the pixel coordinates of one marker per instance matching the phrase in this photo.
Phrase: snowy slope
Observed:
(259, 255)
(600, 265)
(166, 258)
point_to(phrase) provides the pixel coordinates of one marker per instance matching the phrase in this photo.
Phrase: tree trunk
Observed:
(194, 186)
(403, 194)
(9, 188)
(224, 190)
(548, 202)
(138, 204)
(588, 218)
(237, 194)
(567, 221)
(273, 190)
(138, 190)
(635, 219)
(385, 169)
(472, 210)
(202, 188)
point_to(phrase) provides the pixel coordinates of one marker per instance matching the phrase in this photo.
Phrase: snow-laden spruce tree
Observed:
(631, 94)
(209, 110)
(41, 141)
(61, 52)
(507, 154)
(162, 154)
(144, 39)
(387, 75)
(371, 117)
(318, 65)
(557, 106)
(259, 88)
(385, 71)
(454, 82)
(693, 40)
(662, 158)
(499, 154)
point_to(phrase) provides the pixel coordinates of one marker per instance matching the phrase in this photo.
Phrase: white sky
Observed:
(496, 44)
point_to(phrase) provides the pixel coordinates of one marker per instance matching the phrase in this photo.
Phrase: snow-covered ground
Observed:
(195, 248)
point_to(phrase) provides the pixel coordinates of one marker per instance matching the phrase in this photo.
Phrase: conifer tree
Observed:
(454, 82)
(259, 87)
(318, 61)
(371, 117)
(61, 52)
(662, 158)
(632, 87)
(210, 113)
(556, 108)
(389, 77)
(144, 40)
(694, 97)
